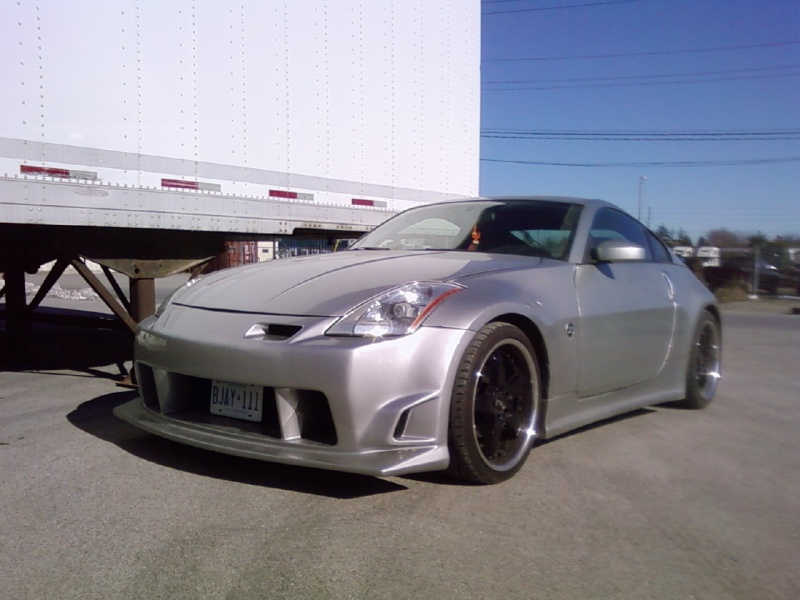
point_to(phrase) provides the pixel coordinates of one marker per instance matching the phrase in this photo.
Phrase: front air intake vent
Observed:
(314, 417)
(275, 332)
(400, 429)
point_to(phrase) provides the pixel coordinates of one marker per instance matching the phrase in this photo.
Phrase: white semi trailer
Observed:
(142, 134)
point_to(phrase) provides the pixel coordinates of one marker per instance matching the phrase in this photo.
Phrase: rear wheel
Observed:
(494, 406)
(703, 373)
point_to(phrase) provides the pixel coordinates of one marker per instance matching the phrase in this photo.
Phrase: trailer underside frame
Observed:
(141, 255)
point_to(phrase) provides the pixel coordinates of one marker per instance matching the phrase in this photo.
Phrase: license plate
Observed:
(237, 400)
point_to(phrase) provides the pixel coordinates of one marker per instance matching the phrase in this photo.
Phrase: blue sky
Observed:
(732, 69)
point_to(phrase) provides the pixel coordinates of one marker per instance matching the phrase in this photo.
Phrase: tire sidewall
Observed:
(697, 398)
(471, 464)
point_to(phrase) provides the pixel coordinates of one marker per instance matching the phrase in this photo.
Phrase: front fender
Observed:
(544, 298)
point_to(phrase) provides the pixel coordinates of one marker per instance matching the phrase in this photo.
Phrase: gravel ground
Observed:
(784, 305)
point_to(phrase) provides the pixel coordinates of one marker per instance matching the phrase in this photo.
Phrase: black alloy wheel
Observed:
(495, 405)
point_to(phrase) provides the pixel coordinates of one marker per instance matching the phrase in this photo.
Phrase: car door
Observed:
(627, 310)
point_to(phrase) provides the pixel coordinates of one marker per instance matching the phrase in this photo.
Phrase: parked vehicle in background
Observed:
(741, 269)
(769, 277)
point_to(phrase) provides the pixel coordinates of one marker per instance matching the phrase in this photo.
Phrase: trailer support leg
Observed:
(143, 298)
(142, 293)
(18, 324)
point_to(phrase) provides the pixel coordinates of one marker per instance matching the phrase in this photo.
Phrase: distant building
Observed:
(683, 251)
(794, 255)
(710, 256)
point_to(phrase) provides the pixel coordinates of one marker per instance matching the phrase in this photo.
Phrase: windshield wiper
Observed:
(371, 248)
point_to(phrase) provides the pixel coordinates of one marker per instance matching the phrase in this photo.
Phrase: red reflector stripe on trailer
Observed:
(365, 202)
(54, 172)
(283, 194)
(290, 195)
(190, 185)
(177, 183)
(44, 171)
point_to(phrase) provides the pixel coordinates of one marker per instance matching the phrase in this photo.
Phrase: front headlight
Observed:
(399, 311)
(174, 294)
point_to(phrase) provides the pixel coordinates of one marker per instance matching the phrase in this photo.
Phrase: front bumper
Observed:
(379, 463)
(348, 404)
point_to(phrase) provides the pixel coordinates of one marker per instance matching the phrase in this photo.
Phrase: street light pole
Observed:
(642, 179)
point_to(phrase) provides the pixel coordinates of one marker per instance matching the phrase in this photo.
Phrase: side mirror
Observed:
(618, 251)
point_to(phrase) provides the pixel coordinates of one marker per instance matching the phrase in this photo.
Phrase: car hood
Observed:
(332, 284)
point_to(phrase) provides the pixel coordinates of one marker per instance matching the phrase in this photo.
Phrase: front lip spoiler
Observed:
(377, 463)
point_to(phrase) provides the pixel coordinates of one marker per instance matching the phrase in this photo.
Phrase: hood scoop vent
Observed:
(274, 332)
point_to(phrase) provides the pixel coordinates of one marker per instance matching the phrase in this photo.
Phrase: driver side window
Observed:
(611, 224)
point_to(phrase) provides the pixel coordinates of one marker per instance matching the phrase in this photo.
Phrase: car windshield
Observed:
(523, 227)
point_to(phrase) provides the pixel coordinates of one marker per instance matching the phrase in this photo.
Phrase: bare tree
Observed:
(665, 234)
(757, 240)
(682, 238)
(723, 238)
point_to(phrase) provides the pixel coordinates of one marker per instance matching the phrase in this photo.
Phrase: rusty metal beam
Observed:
(58, 269)
(197, 270)
(150, 269)
(104, 294)
(143, 298)
(117, 289)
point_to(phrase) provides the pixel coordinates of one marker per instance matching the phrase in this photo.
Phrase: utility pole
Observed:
(642, 179)
(756, 260)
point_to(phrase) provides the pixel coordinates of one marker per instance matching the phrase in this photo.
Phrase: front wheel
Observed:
(703, 373)
(494, 407)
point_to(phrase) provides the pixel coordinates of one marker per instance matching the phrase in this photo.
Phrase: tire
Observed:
(494, 407)
(703, 371)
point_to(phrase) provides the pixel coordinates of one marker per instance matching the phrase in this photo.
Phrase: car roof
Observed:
(562, 199)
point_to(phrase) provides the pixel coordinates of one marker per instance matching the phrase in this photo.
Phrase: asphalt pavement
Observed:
(661, 504)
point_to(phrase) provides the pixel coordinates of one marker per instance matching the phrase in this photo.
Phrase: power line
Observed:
(652, 53)
(636, 139)
(660, 132)
(644, 136)
(562, 7)
(682, 163)
(737, 213)
(697, 134)
(629, 77)
(639, 83)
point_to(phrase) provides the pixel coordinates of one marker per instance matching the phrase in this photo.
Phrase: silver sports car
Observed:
(453, 336)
